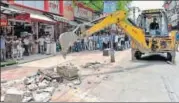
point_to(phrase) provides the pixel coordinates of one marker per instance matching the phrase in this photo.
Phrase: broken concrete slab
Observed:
(32, 87)
(28, 81)
(2, 98)
(42, 97)
(3, 81)
(50, 90)
(77, 82)
(27, 93)
(13, 95)
(54, 83)
(27, 99)
(43, 84)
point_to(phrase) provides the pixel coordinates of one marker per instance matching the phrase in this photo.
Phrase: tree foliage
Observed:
(97, 5)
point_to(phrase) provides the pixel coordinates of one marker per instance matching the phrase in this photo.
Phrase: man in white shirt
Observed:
(86, 43)
(41, 41)
(47, 40)
(116, 41)
(26, 45)
(90, 43)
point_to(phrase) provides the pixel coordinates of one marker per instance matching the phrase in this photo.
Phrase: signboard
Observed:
(3, 20)
(54, 6)
(109, 6)
(83, 13)
(24, 17)
(36, 4)
(68, 11)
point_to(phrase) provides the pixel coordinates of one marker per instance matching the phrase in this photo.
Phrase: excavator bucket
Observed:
(66, 40)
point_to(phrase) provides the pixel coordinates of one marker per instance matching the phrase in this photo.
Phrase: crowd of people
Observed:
(16, 47)
(101, 41)
(13, 47)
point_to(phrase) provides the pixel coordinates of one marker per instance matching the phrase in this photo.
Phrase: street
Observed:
(123, 81)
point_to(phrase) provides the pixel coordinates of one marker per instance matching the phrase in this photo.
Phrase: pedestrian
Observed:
(90, 43)
(20, 49)
(3, 48)
(116, 42)
(14, 48)
(8, 44)
(126, 39)
(86, 43)
(26, 45)
(41, 41)
(177, 41)
(47, 42)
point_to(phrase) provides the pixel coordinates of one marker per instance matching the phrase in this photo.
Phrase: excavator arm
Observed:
(118, 18)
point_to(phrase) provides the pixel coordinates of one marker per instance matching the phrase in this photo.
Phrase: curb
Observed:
(16, 62)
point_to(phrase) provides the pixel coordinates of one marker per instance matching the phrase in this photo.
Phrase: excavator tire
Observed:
(138, 54)
(171, 57)
(135, 54)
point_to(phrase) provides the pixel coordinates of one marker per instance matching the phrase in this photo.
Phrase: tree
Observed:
(97, 5)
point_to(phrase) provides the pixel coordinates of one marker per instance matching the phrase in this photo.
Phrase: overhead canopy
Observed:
(62, 19)
(41, 17)
(10, 11)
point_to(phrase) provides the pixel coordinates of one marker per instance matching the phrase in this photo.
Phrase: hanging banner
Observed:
(109, 6)
(68, 11)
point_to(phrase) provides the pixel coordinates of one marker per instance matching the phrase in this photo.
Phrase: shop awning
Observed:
(62, 19)
(10, 11)
(39, 17)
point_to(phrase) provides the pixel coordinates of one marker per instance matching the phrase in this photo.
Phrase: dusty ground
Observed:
(146, 80)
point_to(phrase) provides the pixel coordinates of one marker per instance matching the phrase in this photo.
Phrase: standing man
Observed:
(41, 41)
(116, 42)
(3, 48)
(177, 41)
(126, 38)
(86, 43)
(26, 45)
(47, 41)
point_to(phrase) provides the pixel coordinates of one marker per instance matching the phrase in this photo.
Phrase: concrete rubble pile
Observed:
(40, 86)
(94, 65)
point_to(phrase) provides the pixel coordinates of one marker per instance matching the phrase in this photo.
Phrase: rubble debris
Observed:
(40, 86)
(42, 97)
(50, 90)
(13, 95)
(2, 99)
(27, 93)
(54, 83)
(27, 99)
(94, 65)
(3, 81)
(43, 84)
(89, 82)
(105, 78)
(68, 72)
(77, 82)
(70, 85)
(32, 87)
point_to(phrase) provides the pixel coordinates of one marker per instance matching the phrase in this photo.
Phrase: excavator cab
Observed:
(154, 24)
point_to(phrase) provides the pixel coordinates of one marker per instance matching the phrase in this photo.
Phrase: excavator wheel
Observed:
(136, 54)
(171, 57)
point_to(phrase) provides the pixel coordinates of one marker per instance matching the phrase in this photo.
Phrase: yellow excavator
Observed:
(142, 40)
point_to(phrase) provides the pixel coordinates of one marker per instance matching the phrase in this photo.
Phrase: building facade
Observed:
(172, 9)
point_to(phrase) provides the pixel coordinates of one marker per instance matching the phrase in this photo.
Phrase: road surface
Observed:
(148, 80)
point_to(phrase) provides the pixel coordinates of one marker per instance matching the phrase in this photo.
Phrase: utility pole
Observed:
(133, 9)
(113, 30)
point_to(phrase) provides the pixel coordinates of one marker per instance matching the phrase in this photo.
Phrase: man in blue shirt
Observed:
(3, 48)
(177, 41)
